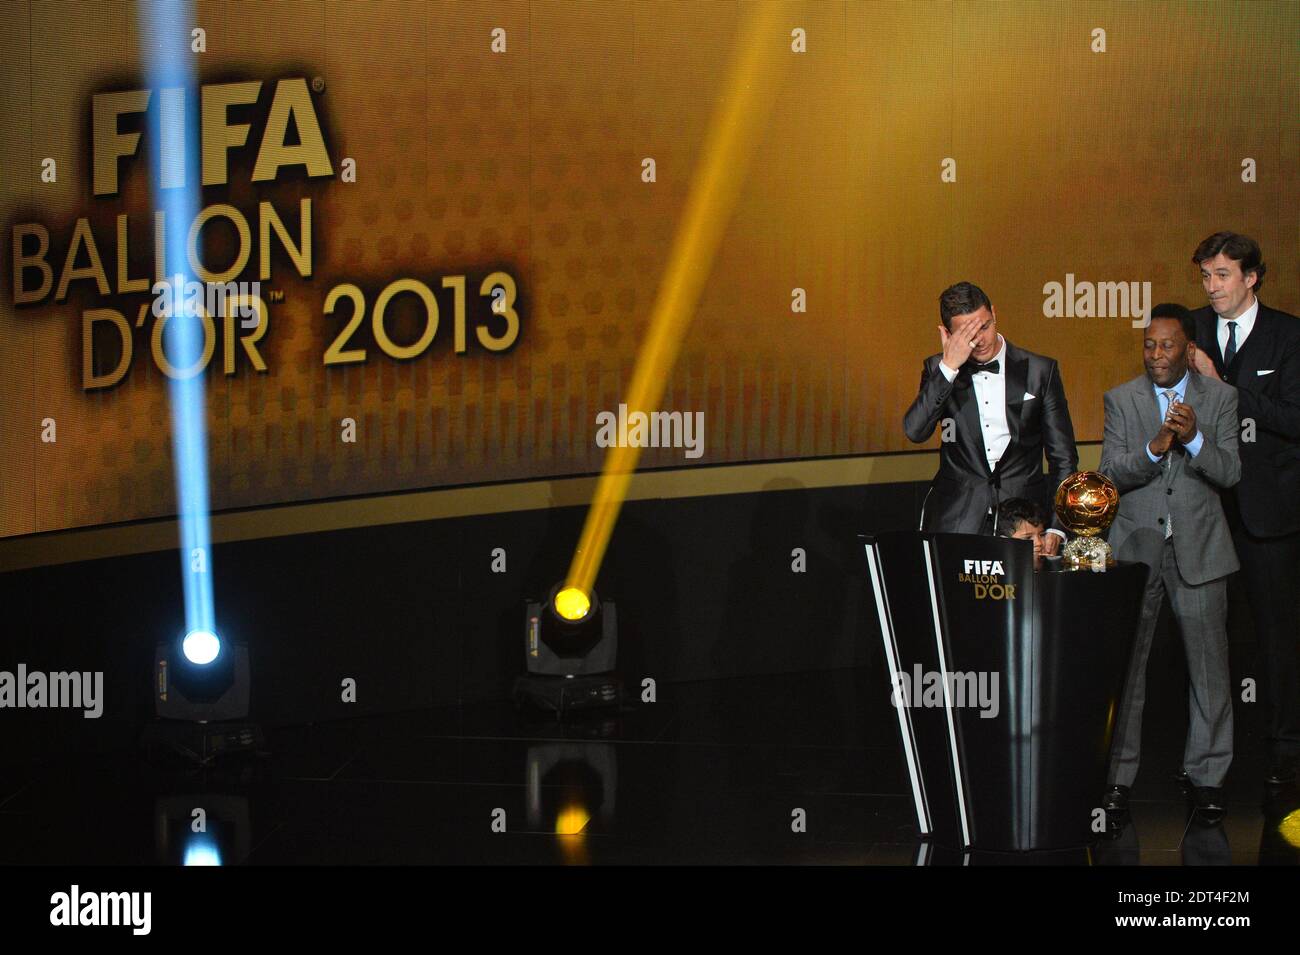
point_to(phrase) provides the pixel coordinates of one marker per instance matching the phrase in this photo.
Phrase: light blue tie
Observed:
(1169, 395)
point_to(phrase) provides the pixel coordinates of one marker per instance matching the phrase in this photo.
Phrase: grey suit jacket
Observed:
(1186, 489)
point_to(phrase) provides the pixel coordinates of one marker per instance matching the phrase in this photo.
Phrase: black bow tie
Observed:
(992, 366)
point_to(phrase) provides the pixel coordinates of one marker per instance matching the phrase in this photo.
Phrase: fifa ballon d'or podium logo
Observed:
(1087, 502)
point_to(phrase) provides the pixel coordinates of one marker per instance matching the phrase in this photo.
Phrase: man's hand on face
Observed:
(1203, 364)
(958, 343)
(1163, 441)
(1182, 420)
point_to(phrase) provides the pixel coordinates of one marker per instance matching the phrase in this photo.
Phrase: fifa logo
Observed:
(986, 577)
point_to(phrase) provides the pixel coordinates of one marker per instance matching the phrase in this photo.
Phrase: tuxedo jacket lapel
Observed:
(969, 429)
(1256, 349)
(1017, 381)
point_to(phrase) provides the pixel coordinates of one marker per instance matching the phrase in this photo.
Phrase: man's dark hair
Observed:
(1016, 509)
(1242, 249)
(961, 299)
(1179, 314)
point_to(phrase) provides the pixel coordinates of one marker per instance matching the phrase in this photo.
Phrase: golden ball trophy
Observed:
(1087, 502)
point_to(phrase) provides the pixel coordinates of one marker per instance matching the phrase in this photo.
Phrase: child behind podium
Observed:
(1022, 519)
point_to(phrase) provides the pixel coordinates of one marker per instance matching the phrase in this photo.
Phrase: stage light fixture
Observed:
(573, 633)
(201, 678)
(201, 697)
(570, 650)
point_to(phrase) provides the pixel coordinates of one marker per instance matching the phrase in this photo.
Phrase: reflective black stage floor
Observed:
(713, 772)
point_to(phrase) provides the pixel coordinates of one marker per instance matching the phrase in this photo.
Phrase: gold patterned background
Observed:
(1110, 166)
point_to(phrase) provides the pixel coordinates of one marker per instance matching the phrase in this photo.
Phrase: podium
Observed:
(1006, 683)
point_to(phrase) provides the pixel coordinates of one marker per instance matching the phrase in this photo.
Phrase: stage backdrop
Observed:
(541, 153)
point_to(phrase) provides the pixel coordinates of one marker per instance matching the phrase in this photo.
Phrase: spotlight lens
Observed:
(201, 647)
(572, 604)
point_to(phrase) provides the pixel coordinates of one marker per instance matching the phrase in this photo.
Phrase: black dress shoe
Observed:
(1281, 771)
(1209, 804)
(1115, 802)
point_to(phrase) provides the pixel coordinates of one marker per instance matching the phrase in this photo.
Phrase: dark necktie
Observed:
(1230, 352)
(991, 367)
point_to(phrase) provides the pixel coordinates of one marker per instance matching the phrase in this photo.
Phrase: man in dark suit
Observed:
(1256, 349)
(1170, 445)
(1007, 408)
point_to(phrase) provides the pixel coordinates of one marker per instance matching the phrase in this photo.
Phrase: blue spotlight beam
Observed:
(165, 27)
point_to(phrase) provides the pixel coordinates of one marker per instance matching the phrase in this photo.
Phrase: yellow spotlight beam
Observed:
(737, 119)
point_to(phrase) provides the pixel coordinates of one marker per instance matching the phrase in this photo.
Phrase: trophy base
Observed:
(1087, 553)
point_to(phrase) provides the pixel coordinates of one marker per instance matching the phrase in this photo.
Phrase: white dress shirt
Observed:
(991, 395)
(1245, 322)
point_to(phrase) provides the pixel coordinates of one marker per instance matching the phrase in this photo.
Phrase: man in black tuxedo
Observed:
(1007, 407)
(1256, 349)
